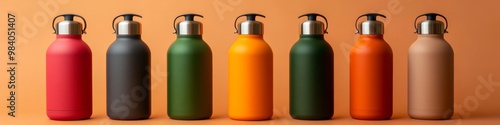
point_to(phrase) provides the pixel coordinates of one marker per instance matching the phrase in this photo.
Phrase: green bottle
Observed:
(189, 68)
(311, 72)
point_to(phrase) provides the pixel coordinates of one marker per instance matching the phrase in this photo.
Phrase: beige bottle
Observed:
(430, 71)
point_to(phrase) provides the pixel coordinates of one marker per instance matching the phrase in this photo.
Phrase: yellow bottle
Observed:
(250, 73)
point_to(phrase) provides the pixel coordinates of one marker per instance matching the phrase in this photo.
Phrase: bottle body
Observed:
(250, 79)
(430, 78)
(69, 79)
(189, 69)
(128, 93)
(311, 78)
(371, 73)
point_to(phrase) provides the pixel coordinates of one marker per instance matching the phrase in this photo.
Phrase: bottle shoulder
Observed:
(426, 45)
(250, 46)
(189, 41)
(371, 46)
(311, 47)
(186, 48)
(250, 42)
(68, 46)
(128, 46)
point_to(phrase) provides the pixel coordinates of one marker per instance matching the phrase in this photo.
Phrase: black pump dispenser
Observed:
(371, 25)
(128, 26)
(68, 26)
(189, 26)
(250, 26)
(431, 25)
(313, 27)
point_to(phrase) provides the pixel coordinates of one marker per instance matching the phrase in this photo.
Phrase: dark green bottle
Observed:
(189, 68)
(311, 72)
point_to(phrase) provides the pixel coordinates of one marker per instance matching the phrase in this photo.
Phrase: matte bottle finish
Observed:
(311, 74)
(69, 73)
(189, 68)
(128, 60)
(250, 74)
(371, 73)
(430, 73)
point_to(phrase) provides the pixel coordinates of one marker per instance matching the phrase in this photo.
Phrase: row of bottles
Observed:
(189, 68)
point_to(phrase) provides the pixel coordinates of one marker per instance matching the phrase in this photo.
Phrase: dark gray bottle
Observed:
(128, 94)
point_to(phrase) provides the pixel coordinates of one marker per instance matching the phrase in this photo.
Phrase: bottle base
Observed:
(430, 114)
(189, 117)
(129, 118)
(64, 115)
(371, 115)
(250, 118)
(311, 117)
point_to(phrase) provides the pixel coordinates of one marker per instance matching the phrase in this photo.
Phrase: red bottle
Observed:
(69, 72)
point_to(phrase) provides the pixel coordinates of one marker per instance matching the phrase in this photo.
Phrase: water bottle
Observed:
(371, 72)
(69, 72)
(128, 60)
(189, 69)
(430, 71)
(250, 72)
(311, 72)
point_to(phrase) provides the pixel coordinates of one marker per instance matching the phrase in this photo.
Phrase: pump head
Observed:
(371, 25)
(189, 26)
(250, 26)
(68, 26)
(128, 26)
(431, 25)
(313, 27)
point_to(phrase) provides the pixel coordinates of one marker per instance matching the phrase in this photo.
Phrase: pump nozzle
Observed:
(68, 17)
(372, 16)
(250, 17)
(187, 17)
(312, 17)
(431, 16)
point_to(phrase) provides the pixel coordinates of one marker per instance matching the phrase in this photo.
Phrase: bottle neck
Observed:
(189, 36)
(129, 36)
(432, 35)
(250, 36)
(312, 36)
(371, 36)
(70, 36)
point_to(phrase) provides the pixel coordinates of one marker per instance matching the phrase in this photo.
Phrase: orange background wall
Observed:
(472, 33)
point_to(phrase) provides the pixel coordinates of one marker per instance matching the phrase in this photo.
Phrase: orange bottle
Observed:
(250, 73)
(371, 72)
